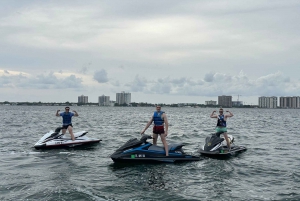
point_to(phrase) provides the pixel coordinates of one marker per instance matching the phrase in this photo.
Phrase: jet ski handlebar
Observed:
(57, 130)
(145, 137)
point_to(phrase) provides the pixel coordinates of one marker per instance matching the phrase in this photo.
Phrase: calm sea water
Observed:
(268, 170)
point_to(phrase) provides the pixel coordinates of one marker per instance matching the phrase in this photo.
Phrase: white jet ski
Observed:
(55, 139)
(216, 147)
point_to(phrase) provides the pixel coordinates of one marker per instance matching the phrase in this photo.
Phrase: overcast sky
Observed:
(161, 51)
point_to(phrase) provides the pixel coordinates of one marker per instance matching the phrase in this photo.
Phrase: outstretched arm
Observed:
(57, 113)
(147, 126)
(76, 114)
(213, 115)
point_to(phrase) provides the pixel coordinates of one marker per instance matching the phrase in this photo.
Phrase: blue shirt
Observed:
(67, 117)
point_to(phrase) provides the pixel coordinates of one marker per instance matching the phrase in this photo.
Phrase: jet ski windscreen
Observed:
(211, 141)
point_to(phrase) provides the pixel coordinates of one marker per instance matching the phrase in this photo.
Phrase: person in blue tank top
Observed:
(160, 127)
(221, 123)
(67, 120)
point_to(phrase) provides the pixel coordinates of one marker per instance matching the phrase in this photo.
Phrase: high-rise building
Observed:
(103, 100)
(82, 99)
(237, 103)
(123, 98)
(211, 102)
(225, 101)
(267, 102)
(289, 102)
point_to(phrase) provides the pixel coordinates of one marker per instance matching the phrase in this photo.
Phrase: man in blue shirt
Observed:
(67, 120)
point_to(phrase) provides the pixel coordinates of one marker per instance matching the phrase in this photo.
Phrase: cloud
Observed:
(83, 70)
(101, 76)
(116, 83)
(209, 77)
(137, 85)
(275, 84)
(49, 81)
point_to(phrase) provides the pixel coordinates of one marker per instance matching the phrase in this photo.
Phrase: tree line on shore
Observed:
(133, 104)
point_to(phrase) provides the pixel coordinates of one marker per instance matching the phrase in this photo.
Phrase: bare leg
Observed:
(154, 138)
(70, 129)
(227, 140)
(63, 131)
(164, 141)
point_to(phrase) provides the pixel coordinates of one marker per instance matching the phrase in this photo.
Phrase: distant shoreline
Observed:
(134, 105)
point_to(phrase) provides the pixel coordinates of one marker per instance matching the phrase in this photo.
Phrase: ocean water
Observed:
(268, 170)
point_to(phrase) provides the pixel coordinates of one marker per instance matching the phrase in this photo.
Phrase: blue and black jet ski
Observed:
(135, 150)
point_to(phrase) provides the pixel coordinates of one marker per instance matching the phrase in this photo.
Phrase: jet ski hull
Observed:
(223, 153)
(67, 144)
(136, 151)
(54, 139)
(152, 158)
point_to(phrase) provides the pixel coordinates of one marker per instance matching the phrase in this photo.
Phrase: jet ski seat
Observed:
(170, 146)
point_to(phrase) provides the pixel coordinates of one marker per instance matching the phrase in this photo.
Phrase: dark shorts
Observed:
(158, 129)
(66, 126)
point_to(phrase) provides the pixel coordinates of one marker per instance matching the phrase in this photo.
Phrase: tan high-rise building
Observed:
(225, 101)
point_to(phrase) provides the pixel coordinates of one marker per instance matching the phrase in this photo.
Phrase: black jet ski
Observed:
(55, 139)
(216, 147)
(135, 150)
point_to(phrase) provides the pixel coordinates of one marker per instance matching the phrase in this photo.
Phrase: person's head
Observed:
(67, 109)
(221, 111)
(158, 108)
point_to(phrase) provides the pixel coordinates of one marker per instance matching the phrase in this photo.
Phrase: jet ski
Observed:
(135, 150)
(55, 139)
(216, 147)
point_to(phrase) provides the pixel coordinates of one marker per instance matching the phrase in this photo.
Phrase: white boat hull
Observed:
(62, 141)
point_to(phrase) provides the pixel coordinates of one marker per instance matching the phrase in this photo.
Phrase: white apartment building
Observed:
(267, 102)
(289, 102)
(104, 100)
(237, 103)
(211, 102)
(83, 99)
(123, 98)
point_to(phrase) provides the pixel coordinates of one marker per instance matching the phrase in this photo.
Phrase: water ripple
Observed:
(268, 170)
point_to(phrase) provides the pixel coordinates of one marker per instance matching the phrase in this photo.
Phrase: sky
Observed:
(169, 51)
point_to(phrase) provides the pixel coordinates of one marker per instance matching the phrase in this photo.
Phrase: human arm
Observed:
(57, 113)
(213, 115)
(230, 114)
(75, 113)
(166, 123)
(147, 126)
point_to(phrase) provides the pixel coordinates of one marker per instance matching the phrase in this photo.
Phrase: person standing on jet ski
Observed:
(160, 122)
(221, 123)
(67, 120)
